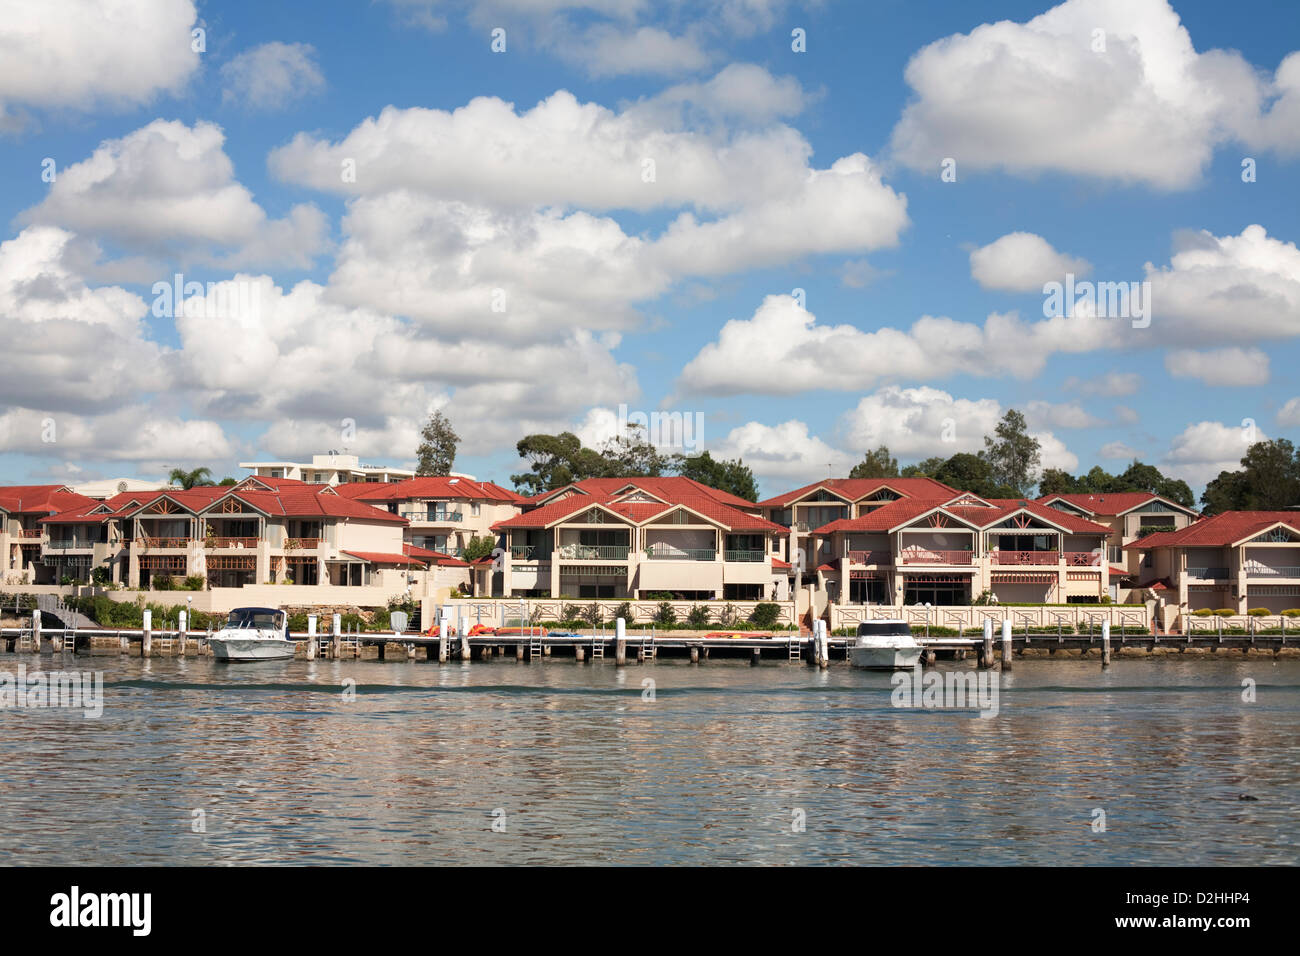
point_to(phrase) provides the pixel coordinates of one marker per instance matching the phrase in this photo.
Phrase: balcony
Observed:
(663, 552)
(878, 556)
(432, 517)
(935, 557)
(747, 555)
(221, 542)
(1207, 574)
(29, 533)
(524, 552)
(1083, 559)
(304, 544)
(1026, 557)
(147, 544)
(68, 544)
(594, 552)
(1257, 569)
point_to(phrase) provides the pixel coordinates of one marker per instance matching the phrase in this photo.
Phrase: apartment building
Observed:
(443, 514)
(950, 550)
(1238, 559)
(21, 534)
(634, 537)
(328, 469)
(1131, 516)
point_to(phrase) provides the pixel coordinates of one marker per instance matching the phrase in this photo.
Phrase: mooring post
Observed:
(519, 650)
(442, 643)
(182, 628)
(824, 646)
(336, 637)
(1105, 643)
(755, 656)
(311, 637)
(36, 630)
(620, 642)
(986, 649)
(410, 652)
(146, 636)
(695, 653)
(1006, 645)
(579, 652)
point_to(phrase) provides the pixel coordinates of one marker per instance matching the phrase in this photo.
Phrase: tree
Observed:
(732, 476)
(227, 482)
(479, 546)
(198, 478)
(437, 449)
(973, 473)
(876, 464)
(926, 468)
(630, 455)
(1269, 480)
(555, 461)
(1098, 481)
(1013, 453)
(1055, 481)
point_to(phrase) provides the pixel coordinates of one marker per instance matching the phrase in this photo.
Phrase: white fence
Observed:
(496, 611)
(1126, 616)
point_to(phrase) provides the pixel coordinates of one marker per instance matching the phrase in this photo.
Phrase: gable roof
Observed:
(904, 511)
(428, 486)
(665, 488)
(40, 499)
(1219, 531)
(855, 489)
(710, 509)
(1112, 504)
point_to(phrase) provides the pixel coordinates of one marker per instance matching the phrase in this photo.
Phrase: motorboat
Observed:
(885, 645)
(253, 634)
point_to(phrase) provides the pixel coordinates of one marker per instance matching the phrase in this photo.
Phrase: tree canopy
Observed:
(436, 452)
(876, 464)
(1137, 477)
(198, 478)
(1268, 480)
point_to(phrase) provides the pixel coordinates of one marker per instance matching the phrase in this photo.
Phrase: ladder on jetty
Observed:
(794, 649)
(648, 649)
(534, 646)
(597, 645)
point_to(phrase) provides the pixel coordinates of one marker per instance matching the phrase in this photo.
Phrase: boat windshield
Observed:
(249, 617)
(884, 629)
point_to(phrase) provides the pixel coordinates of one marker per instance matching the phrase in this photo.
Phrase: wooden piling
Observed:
(36, 629)
(620, 643)
(465, 652)
(695, 653)
(1006, 645)
(146, 636)
(1105, 644)
(336, 643)
(579, 653)
(519, 651)
(311, 637)
(823, 639)
(986, 648)
(443, 652)
(755, 657)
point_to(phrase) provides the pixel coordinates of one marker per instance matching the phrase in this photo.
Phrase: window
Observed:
(474, 509)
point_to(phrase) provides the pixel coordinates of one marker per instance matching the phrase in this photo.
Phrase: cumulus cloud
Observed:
(168, 187)
(1233, 366)
(1288, 416)
(1039, 413)
(608, 50)
(1022, 262)
(1112, 89)
(270, 76)
(782, 455)
(137, 434)
(1117, 449)
(781, 335)
(1202, 450)
(1111, 384)
(919, 422)
(93, 55)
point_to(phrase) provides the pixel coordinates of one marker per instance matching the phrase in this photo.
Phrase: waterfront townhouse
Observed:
(1131, 516)
(636, 537)
(443, 514)
(23, 537)
(1239, 560)
(952, 550)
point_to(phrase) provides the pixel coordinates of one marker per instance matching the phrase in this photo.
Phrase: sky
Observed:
(801, 229)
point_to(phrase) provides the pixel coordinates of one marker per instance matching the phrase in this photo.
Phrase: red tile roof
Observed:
(640, 512)
(1111, 503)
(905, 510)
(379, 557)
(855, 489)
(305, 502)
(39, 499)
(666, 487)
(1219, 531)
(433, 557)
(429, 486)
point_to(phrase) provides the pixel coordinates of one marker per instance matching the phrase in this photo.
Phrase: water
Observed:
(581, 769)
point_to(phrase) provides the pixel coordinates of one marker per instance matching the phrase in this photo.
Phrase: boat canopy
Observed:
(255, 617)
(887, 628)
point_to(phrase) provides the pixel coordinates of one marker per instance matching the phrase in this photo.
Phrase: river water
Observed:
(198, 762)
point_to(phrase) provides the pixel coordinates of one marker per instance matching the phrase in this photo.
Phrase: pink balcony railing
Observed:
(1083, 559)
(877, 556)
(935, 557)
(1026, 557)
(147, 543)
(30, 532)
(302, 544)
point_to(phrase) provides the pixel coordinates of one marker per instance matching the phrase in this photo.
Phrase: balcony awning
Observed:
(866, 575)
(959, 578)
(385, 559)
(999, 577)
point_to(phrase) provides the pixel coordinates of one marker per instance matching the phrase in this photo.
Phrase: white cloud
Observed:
(1041, 96)
(1233, 366)
(1117, 449)
(1065, 415)
(1288, 416)
(83, 55)
(1109, 384)
(607, 50)
(784, 455)
(271, 75)
(1227, 289)
(1202, 450)
(784, 337)
(1022, 262)
(919, 422)
(170, 187)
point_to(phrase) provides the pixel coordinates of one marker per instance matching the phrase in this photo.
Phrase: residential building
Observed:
(1238, 559)
(953, 549)
(635, 537)
(1131, 516)
(328, 469)
(107, 487)
(23, 537)
(443, 514)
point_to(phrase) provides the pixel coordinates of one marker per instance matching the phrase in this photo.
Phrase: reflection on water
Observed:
(285, 769)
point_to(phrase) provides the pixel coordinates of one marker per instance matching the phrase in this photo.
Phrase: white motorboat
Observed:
(885, 645)
(253, 634)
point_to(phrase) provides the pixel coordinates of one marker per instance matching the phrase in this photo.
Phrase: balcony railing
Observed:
(68, 544)
(662, 552)
(29, 533)
(1083, 559)
(1207, 574)
(148, 543)
(744, 554)
(1026, 557)
(437, 517)
(1256, 569)
(523, 552)
(877, 556)
(935, 557)
(223, 542)
(303, 544)
(594, 552)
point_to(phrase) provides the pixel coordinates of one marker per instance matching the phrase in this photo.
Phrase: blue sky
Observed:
(775, 170)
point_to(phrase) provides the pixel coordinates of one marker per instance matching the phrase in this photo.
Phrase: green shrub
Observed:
(698, 617)
(352, 621)
(193, 582)
(665, 614)
(591, 614)
(1292, 612)
(624, 611)
(100, 576)
(1259, 612)
(1203, 612)
(1225, 611)
(764, 615)
(570, 612)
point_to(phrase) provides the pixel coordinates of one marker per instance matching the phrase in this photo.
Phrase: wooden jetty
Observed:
(623, 646)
